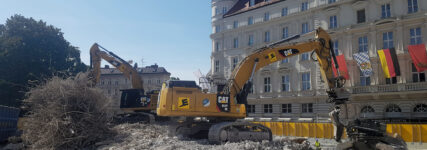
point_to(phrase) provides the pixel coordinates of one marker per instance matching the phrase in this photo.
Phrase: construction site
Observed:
(310, 74)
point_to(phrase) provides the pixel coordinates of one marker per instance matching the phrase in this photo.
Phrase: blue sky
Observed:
(171, 33)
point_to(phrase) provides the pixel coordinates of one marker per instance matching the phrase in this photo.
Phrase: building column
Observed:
(399, 39)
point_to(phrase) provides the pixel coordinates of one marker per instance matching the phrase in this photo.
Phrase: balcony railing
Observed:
(389, 88)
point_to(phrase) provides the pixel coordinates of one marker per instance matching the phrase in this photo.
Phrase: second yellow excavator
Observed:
(132, 100)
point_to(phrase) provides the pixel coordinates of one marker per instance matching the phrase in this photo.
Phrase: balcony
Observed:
(389, 88)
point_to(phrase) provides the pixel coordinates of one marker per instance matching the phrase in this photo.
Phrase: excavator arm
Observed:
(96, 55)
(240, 82)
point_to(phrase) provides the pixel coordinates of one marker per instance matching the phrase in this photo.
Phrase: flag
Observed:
(342, 67)
(419, 56)
(389, 63)
(364, 63)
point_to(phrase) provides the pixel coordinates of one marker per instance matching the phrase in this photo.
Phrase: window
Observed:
(116, 82)
(266, 16)
(285, 11)
(417, 76)
(363, 44)
(285, 83)
(336, 50)
(304, 28)
(216, 65)
(251, 3)
(235, 61)
(216, 46)
(304, 56)
(109, 91)
(388, 40)
(393, 108)
(224, 10)
(333, 22)
(250, 20)
(304, 6)
(412, 6)
(268, 108)
(102, 82)
(252, 88)
(307, 108)
(267, 85)
(251, 40)
(420, 108)
(158, 81)
(331, 1)
(235, 43)
(267, 36)
(285, 33)
(364, 81)
(286, 60)
(392, 80)
(305, 81)
(367, 109)
(116, 91)
(286, 108)
(217, 28)
(235, 24)
(216, 11)
(415, 34)
(251, 108)
(109, 82)
(385, 11)
(149, 81)
(361, 18)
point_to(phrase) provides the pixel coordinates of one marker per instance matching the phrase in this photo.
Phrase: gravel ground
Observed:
(154, 136)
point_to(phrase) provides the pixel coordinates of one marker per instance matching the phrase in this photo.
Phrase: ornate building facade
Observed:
(292, 89)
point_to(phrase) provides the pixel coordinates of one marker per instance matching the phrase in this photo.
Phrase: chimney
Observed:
(107, 67)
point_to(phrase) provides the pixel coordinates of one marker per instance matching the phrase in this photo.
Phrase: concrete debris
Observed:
(154, 136)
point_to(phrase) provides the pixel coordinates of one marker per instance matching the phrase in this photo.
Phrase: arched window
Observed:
(420, 108)
(393, 108)
(367, 109)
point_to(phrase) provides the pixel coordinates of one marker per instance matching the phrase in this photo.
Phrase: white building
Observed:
(293, 88)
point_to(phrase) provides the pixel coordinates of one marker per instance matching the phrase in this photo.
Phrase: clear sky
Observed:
(172, 33)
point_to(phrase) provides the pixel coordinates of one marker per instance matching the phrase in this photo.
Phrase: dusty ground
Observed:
(146, 136)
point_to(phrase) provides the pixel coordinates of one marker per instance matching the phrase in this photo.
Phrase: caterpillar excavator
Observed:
(222, 112)
(133, 101)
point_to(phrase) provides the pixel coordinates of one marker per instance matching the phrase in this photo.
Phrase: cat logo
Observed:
(272, 56)
(183, 103)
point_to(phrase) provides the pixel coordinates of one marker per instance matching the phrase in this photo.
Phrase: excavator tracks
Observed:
(221, 132)
(238, 131)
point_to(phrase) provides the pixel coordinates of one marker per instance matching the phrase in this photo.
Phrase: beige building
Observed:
(112, 81)
(292, 89)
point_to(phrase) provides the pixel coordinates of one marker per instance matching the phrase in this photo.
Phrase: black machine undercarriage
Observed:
(220, 131)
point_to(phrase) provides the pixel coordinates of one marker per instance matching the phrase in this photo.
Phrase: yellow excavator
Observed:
(222, 113)
(133, 100)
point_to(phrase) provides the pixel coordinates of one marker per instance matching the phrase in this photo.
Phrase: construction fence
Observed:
(408, 132)
(8, 122)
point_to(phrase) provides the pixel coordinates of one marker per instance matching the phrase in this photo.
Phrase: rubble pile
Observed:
(66, 114)
(155, 136)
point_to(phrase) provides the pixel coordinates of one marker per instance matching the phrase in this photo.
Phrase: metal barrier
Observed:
(408, 132)
(8, 121)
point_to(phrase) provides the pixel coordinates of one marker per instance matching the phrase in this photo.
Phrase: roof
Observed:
(243, 6)
(145, 70)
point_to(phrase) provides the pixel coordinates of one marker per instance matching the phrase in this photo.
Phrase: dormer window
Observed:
(251, 3)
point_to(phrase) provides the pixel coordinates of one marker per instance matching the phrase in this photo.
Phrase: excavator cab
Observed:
(134, 98)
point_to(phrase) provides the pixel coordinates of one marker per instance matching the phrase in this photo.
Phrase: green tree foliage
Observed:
(32, 51)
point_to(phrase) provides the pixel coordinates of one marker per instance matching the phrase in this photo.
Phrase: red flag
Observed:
(419, 56)
(342, 67)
